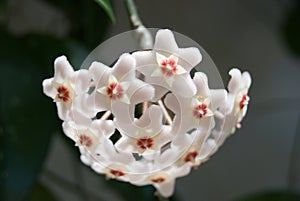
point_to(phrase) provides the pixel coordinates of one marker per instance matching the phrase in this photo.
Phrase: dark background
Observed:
(263, 37)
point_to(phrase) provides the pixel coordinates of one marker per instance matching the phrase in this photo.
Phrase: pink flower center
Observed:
(145, 143)
(117, 173)
(190, 157)
(244, 101)
(63, 93)
(115, 91)
(85, 140)
(168, 67)
(200, 111)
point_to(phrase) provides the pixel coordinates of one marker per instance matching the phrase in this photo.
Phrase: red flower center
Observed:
(63, 93)
(117, 173)
(115, 91)
(200, 111)
(85, 140)
(145, 143)
(190, 157)
(243, 102)
(168, 67)
(158, 180)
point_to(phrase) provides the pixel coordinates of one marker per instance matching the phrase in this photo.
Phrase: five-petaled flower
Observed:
(167, 67)
(66, 86)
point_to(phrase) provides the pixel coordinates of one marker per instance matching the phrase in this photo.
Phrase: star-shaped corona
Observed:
(115, 90)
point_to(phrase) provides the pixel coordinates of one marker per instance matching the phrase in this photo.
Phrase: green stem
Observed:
(134, 16)
(142, 33)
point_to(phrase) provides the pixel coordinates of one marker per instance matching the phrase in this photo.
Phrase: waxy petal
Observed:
(62, 69)
(165, 41)
(124, 69)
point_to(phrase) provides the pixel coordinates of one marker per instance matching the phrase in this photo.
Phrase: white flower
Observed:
(195, 112)
(238, 87)
(111, 164)
(117, 88)
(238, 99)
(144, 136)
(65, 86)
(195, 153)
(167, 67)
(86, 133)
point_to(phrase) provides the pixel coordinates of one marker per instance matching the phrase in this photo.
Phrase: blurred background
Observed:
(261, 162)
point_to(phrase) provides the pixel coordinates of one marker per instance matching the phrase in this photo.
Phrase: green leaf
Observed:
(106, 6)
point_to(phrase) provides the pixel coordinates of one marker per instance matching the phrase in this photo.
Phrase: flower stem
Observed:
(106, 115)
(145, 106)
(165, 112)
(142, 33)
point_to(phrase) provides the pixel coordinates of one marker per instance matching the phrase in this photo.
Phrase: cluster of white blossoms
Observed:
(145, 120)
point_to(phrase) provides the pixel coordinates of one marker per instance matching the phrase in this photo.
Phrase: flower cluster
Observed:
(146, 120)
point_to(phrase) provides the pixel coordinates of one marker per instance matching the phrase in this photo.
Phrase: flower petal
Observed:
(159, 92)
(145, 61)
(48, 89)
(68, 128)
(62, 69)
(160, 58)
(201, 83)
(234, 83)
(100, 73)
(106, 126)
(140, 91)
(165, 41)
(152, 118)
(82, 80)
(63, 111)
(184, 86)
(166, 189)
(157, 73)
(180, 70)
(125, 99)
(246, 79)
(191, 56)
(218, 98)
(124, 69)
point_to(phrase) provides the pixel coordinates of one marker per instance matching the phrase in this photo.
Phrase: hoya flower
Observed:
(86, 133)
(145, 120)
(146, 144)
(146, 135)
(111, 163)
(167, 67)
(112, 170)
(65, 86)
(196, 152)
(187, 151)
(196, 112)
(238, 99)
(117, 88)
(238, 88)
